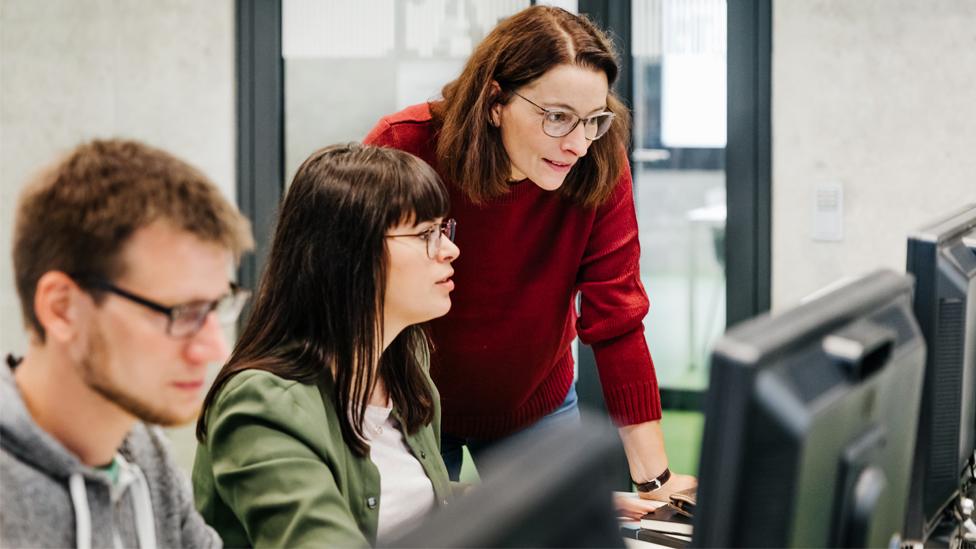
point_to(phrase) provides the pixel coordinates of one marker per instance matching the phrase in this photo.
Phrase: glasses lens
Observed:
(187, 319)
(230, 306)
(598, 125)
(558, 123)
(450, 226)
(437, 233)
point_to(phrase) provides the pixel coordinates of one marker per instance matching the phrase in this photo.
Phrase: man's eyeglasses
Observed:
(561, 123)
(186, 319)
(432, 236)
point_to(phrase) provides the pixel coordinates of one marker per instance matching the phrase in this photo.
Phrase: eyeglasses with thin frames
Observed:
(433, 235)
(185, 319)
(556, 123)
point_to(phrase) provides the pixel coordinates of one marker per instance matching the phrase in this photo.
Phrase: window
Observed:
(347, 64)
(678, 50)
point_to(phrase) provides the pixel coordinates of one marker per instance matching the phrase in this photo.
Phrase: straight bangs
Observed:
(416, 195)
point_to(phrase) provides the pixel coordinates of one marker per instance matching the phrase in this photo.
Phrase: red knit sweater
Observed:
(502, 354)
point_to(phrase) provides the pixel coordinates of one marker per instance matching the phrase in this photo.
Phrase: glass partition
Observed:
(678, 50)
(349, 63)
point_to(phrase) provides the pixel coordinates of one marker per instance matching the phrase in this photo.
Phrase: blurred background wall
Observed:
(71, 70)
(876, 97)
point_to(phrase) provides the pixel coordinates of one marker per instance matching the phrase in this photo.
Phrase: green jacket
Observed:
(274, 470)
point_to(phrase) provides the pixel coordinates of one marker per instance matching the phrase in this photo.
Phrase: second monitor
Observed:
(944, 266)
(810, 422)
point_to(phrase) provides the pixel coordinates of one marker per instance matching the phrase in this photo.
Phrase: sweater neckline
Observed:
(518, 190)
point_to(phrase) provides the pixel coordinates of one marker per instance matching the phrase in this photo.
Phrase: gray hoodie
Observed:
(48, 498)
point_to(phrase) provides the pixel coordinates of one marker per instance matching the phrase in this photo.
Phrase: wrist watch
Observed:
(654, 483)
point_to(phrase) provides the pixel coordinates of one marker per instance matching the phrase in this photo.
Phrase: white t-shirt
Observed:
(406, 493)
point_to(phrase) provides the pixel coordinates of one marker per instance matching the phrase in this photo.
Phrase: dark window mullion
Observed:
(260, 126)
(748, 160)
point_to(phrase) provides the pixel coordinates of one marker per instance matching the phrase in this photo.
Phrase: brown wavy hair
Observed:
(520, 49)
(76, 215)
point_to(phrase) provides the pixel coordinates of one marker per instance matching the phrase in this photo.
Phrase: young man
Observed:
(122, 255)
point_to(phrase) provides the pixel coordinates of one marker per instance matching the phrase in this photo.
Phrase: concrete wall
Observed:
(877, 95)
(70, 70)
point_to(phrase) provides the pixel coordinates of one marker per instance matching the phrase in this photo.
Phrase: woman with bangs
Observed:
(322, 428)
(532, 144)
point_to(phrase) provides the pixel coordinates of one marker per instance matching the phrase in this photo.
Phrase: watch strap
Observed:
(654, 483)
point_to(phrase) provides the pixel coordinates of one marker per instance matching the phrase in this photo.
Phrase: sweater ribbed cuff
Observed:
(632, 404)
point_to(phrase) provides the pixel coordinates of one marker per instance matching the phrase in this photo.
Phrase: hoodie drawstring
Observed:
(142, 506)
(79, 500)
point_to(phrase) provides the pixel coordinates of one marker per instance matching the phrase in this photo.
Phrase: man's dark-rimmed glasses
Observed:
(185, 319)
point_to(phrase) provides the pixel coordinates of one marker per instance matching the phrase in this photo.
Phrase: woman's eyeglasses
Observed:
(557, 123)
(433, 235)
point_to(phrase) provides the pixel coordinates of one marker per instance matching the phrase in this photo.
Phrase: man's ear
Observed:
(58, 303)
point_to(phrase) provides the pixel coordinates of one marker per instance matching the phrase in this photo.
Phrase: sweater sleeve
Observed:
(282, 491)
(613, 305)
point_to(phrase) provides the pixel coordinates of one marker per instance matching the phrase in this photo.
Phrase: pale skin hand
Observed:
(644, 447)
(633, 508)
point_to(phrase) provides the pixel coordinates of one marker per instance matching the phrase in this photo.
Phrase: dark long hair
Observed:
(319, 306)
(515, 53)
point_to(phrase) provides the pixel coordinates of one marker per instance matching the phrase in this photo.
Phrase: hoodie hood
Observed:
(20, 436)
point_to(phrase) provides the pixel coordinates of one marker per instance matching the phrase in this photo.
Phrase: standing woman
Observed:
(322, 428)
(531, 142)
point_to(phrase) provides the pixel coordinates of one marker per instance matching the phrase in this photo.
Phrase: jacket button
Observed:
(423, 454)
(371, 502)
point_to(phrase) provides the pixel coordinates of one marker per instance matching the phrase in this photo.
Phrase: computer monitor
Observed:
(810, 422)
(944, 266)
(553, 490)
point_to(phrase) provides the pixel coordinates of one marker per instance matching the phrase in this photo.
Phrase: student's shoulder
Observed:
(276, 406)
(256, 378)
(262, 386)
(148, 447)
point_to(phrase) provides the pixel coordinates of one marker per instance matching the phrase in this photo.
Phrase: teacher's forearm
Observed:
(644, 446)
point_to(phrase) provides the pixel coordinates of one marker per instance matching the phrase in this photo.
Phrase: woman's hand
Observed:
(632, 507)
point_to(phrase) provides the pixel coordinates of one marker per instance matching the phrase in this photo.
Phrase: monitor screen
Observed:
(553, 490)
(810, 422)
(944, 265)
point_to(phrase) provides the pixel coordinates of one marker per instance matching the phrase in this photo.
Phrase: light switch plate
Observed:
(828, 212)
